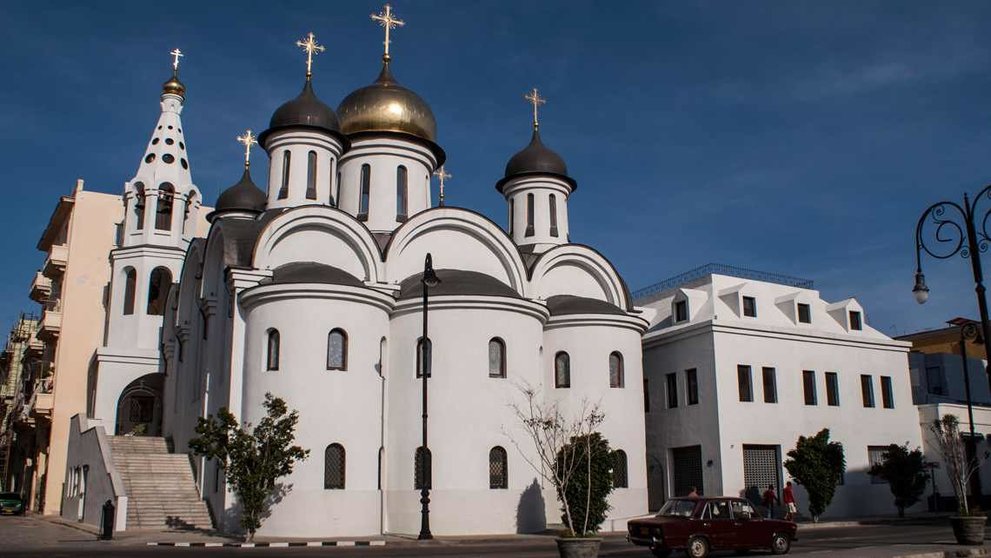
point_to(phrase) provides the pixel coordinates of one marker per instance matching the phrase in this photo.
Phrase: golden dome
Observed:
(386, 106)
(173, 86)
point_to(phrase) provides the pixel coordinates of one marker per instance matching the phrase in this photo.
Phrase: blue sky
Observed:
(797, 137)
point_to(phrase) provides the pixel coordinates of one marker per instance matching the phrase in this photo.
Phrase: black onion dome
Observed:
(305, 110)
(243, 196)
(536, 158)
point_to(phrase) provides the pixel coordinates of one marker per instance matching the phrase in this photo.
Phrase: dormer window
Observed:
(750, 307)
(856, 321)
(804, 313)
(681, 311)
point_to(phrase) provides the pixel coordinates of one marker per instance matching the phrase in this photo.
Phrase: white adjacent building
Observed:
(739, 364)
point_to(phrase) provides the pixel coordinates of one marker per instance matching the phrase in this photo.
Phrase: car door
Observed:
(749, 531)
(717, 524)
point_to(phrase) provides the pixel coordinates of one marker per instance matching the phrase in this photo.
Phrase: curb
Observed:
(962, 553)
(266, 544)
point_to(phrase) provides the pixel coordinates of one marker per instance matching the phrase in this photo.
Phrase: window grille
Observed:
(337, 350)
(334, 467)
(687, 465)
(498, 474)
(620, 477)
(760, 469)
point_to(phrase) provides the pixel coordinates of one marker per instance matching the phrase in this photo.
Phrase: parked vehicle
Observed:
(11, 502)
(700, 525)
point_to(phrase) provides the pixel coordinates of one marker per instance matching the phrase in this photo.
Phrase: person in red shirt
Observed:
(788, 499)
(770, 498)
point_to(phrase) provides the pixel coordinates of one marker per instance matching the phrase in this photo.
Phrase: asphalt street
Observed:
(38, 538)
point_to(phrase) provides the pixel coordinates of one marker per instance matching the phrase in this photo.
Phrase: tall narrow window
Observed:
(402, 194)
(680, 311)
(130, 284)
(337, 350)
(335, 189)
(875, 456)
(770, 377)
(620, 475)
(672, 385)
(512, 214)
(832, 389)
(284, 189)
(750, 307)
(804, 313)
(887, 393)
(334, 467)
(311, 175)
(163, 210)
(646, 396)
(809, 387)
(366, 184)
(424, 356)
(692, 386)
(497, 358)
(381, 455)
(498, 474)
(422, 465)
(139, 204)
(616, 373)
(562, 370)
(553, 211)
(867, 390)
(158, 290)
(529, 215)
(856, 323)
(744, 383)
(272, 352)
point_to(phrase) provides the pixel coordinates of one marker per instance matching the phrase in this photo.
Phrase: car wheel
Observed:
(661, 552)
(780, 544)
(698, 547)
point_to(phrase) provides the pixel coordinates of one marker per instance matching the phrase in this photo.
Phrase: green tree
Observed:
(252, 459)
(905, 473)
(818, 465)
(591, 484)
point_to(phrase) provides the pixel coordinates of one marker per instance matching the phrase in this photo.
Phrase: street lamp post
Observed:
(428, 280)
(951, 237)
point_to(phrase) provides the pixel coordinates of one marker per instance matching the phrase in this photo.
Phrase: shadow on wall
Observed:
(530, 511)
(231, 523)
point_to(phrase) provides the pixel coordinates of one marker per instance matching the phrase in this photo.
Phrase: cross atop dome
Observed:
(310, 46)
(442, 175)
(173, 86)
(247, 140)
(387, 20)
(176, 55)
(536, 100)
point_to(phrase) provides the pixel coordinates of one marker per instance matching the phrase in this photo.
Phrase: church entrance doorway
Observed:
(139, 410)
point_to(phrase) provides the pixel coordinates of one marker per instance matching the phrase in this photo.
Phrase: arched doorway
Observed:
(139, 410)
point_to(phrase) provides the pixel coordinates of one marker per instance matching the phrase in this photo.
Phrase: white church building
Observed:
(309, 288)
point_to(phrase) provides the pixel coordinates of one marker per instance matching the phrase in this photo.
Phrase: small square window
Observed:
(750, 307)
(804, 313)
(855, 321)
(681, 311)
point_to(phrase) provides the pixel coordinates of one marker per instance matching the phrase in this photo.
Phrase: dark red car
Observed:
(698, 525)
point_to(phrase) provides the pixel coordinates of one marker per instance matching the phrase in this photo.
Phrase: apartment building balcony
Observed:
(57, 259)
(41, 287)
(35, 348)
(51, 321)
(43, 404)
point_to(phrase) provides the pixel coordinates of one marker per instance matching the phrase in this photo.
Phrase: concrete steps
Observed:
(160, 486)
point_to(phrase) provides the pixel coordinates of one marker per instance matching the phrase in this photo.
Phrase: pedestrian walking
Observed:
(770, 499)
(788, 499)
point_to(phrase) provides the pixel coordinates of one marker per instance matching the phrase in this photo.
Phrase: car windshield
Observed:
(678, 508)
(9, 496)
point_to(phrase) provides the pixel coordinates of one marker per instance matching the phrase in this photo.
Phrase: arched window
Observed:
(130, 284)
(337, 350)
(616, 370)
(529, 215)
(619, 470)
(272, 352)
(333, 467)
(553, 210)
(284, 188)
(512, 213)
(163, 211)
(335, 191)
(498, 474)
(311, 175)
(497, 358)
(424, 358)
(158, 290)
(139, 205)
(366, 184)
(422, 464)
(402, 193)
(562, 370)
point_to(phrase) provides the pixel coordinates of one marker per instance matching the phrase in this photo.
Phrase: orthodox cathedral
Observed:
(311, 287)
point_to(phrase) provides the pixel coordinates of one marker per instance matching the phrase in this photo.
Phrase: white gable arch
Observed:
(456, 239)
(322, 235)
(573, 269)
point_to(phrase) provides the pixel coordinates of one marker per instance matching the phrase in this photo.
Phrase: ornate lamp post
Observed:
(428, 280)
(967, 236)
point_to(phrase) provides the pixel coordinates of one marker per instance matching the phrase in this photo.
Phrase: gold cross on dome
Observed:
(536, 100)
(387, 20)
(247, 140)
(312, 48)
(176, 55)
(442, 175)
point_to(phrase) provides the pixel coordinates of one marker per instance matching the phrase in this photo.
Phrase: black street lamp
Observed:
(951, 237)
(428, 280)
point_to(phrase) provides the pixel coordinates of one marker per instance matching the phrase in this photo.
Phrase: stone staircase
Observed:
(160, 487)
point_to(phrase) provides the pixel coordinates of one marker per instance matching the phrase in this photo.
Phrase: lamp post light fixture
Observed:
(956, 229)
(425, 356)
